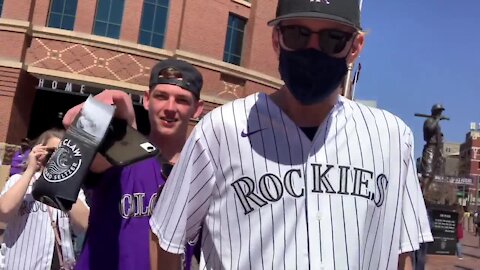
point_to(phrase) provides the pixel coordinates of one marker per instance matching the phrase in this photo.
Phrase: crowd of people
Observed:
(303, 178)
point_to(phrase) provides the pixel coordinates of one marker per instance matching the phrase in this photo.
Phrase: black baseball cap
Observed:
(343, 11)
(191, 80)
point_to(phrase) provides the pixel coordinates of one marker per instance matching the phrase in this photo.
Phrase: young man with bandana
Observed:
(302, 178)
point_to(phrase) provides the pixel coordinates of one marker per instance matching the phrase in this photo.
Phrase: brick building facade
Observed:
(41, 62)
(470, 162)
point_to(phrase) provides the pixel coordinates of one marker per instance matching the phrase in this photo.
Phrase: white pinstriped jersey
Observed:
(267, 197)
(29, 239)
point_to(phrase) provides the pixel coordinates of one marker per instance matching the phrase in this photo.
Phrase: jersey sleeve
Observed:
(10, 183)
(184, 201)
(415, 227)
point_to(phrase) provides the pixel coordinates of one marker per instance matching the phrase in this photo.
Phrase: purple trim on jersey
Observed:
(119, 233)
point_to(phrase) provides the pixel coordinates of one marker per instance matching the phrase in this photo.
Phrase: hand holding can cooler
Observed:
(60, 182)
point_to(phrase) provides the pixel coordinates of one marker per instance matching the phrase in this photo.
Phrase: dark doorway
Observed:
(50, 106)
(48, 109)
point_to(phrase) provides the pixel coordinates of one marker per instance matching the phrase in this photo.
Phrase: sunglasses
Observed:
(330, 41)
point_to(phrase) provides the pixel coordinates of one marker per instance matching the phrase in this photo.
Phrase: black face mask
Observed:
(311, 75)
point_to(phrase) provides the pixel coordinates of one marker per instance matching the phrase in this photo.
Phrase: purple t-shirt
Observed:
(118, 234)
(18, 162)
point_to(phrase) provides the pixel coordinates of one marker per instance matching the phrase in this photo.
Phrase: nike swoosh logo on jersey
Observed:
(248, 134)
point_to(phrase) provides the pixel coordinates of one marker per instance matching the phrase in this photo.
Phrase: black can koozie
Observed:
(61, 180)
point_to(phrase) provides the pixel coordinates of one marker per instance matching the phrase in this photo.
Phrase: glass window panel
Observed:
(116, 12)
(163, 3)
(226, 56)
(100, 28)
(54, 20)
(160, 19)
(154, 20)
(1, 6)
(62, 14)
(71, 7)
(235, 60)
(233, 42)
(144, 38)
(228, 40)
(241, 25)
(147, 17)
(57, 6)
(113, 31)
(108, 19)
(157, 41)
(237, 43)
(235, 23)
(234, 39)
(103, 9)
(238, 24)
(68, 22)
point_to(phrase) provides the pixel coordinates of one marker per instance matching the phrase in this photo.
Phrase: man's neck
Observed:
(170, 146)
(302, 115)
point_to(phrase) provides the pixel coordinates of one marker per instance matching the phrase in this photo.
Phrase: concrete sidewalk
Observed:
(471, 256)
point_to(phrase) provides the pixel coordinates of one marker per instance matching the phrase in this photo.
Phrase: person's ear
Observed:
(146, 99)
(276, 40)
(356, 48)
(198, 109)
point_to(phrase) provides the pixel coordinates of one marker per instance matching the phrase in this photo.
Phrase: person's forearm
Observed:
(153, 251)
(11, 200)
(79, 216)
(160, 259)
(405, 261)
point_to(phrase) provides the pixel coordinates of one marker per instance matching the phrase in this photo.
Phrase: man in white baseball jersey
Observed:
(302, 178)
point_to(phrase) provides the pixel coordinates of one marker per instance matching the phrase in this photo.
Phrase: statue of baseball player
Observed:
(432, 156)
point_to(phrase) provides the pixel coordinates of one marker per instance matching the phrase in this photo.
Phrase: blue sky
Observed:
(421, 52)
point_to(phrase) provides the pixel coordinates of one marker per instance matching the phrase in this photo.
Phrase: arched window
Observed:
(154, 23)
(108, 18)
(62, 14)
